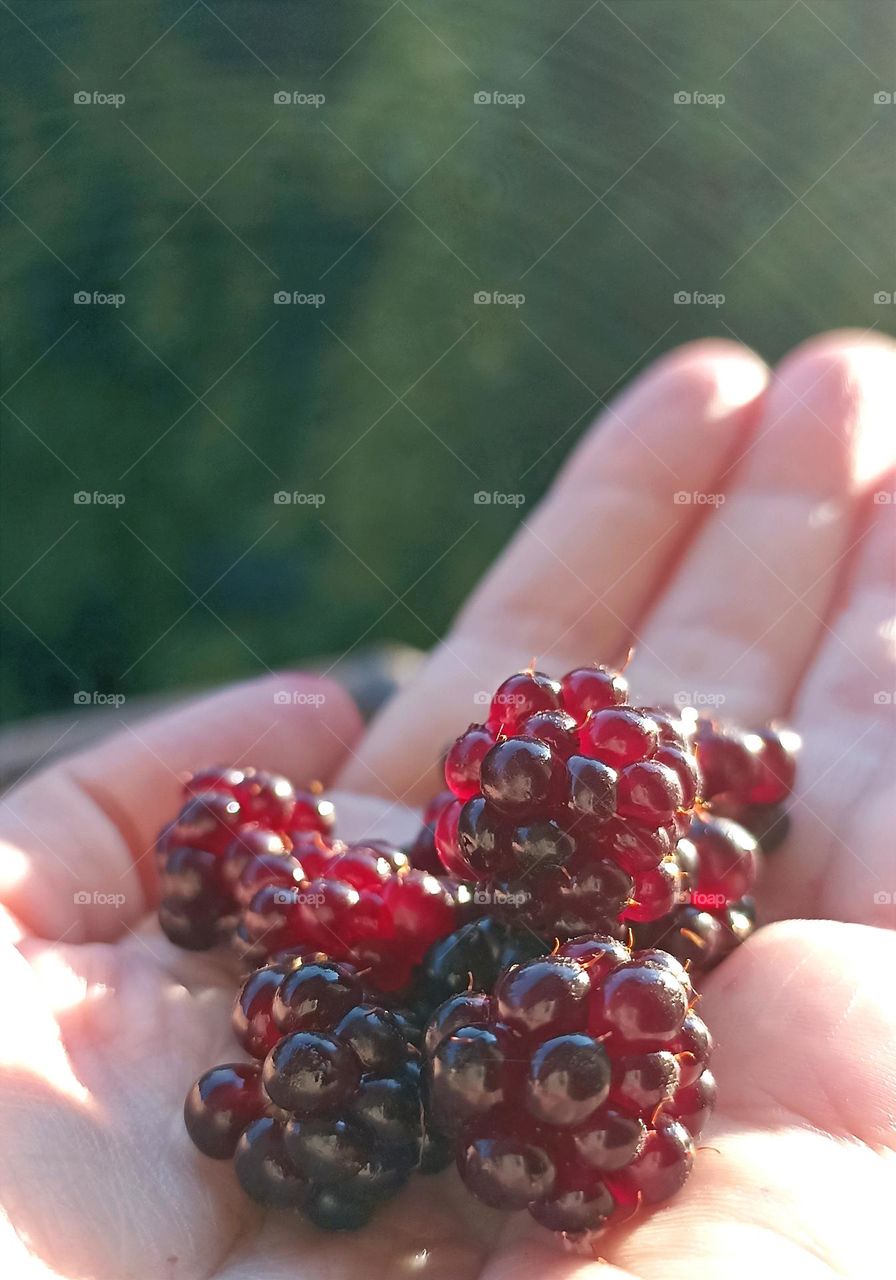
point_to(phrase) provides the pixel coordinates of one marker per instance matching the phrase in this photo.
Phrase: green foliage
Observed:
(397, 399)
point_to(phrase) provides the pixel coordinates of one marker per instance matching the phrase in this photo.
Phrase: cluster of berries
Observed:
(252, 861)
(576, 812)
(328, 1118)
(513, 992)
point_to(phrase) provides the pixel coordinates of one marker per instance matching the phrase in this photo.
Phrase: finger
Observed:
(741, 616)
(577, 577)
(846, 713)
(87, 825)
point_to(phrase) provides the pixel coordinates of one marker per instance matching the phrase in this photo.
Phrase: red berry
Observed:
(207, 821)
(588, 689)
(545, 997)
(556, 728)
(775, 752)
(663, 1164)
(648, 792)
(310, 812)
(464, 758)
(266, 798)
(619, 736)
(221, 1104)
(519, 697)
(725, 760)
(642, 1002)
(655, 892)
(446, 842)
(592, 787)
(729, 861)
(684, 766)
(249, 843)
(521, 776)
(692, 1104)
(634, 846)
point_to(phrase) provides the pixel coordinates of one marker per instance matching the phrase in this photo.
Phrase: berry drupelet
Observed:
(577, 1088)
(330, 1119)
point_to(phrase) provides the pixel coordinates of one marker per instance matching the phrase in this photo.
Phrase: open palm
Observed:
(723, 523)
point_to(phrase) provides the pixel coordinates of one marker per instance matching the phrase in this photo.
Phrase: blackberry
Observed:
(575, 1090)
(332, 1119)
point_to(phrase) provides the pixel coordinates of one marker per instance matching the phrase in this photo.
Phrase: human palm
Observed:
(776, 600)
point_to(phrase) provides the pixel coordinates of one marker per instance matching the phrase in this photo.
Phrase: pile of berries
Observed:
(513, 991)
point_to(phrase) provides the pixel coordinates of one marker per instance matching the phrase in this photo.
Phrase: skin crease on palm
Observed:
(778, 599)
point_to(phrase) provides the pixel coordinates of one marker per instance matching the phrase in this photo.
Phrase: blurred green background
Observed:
(400, 197)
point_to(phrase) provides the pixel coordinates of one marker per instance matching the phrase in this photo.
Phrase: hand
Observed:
(772, 590)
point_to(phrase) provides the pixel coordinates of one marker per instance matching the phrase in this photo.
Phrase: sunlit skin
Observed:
(777, 600)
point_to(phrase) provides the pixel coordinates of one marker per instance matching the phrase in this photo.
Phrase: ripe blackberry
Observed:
(238, 830)
(333, 1121)
(576, 1089)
